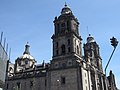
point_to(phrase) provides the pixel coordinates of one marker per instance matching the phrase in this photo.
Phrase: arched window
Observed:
(77, 49)
(63, 49)
(56, 52)
(68, 41)
(69, 49)
(68, 25)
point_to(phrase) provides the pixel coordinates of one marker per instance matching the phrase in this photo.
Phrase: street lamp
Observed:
(58, 81)
(114, 43)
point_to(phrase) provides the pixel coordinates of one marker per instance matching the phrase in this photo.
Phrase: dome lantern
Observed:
(27, 49)
(66, 10)
(90, 39)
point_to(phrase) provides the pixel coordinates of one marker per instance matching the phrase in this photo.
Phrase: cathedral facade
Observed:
(69, 68)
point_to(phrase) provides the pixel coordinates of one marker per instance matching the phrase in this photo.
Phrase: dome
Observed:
(90, 39)
(26, 61)
(66, 10)
(28, 56)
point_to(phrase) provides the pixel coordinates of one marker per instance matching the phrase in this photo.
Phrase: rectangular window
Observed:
(63, 80)
(7, 85)
(18, 85)
(45, 82)
(31, 83)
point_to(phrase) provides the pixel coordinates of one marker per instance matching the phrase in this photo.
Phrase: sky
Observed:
(31, 21)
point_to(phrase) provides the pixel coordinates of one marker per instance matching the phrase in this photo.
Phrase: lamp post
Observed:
(58, 81)
(114, 43)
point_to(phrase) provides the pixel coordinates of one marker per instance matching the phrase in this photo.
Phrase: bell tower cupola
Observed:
(66, 22)
(92, 54)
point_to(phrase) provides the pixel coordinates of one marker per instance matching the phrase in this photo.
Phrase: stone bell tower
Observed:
(66, 52)
(91, 52)
(66, 39)
(92, 56)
